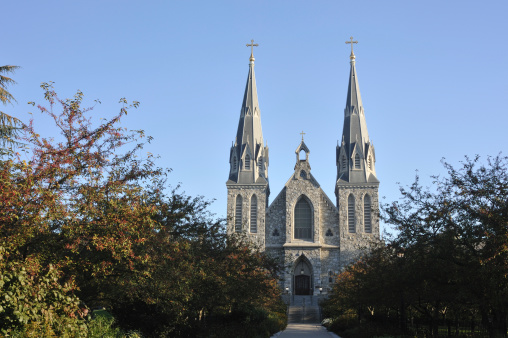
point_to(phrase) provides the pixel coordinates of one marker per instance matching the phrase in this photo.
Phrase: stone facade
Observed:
(315, 238)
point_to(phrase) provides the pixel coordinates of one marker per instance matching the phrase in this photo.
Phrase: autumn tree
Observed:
(91, 204)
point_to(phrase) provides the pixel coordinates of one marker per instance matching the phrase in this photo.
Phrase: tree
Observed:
(9, 125)
(463, 226)
(449, 259)
(90, 205)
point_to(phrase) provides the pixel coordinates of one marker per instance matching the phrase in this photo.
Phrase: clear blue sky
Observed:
(433, 77)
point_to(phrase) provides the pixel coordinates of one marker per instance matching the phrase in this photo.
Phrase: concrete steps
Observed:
(304, 310)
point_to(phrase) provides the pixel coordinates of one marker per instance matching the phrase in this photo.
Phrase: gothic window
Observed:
(344, 163)
(303, 220)
(253, 214)
(247, 162)
(367, 220)
(275, 232)
(357, 161)
(329, 232)
(238, 214)
(351, 213)
(303, 174)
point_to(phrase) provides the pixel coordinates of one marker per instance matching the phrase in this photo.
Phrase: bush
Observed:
(37, 305)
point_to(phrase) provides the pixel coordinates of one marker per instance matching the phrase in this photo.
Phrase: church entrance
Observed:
(302, 281)
(302, 285)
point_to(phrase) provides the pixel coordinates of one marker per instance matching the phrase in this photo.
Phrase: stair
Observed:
(302, 310)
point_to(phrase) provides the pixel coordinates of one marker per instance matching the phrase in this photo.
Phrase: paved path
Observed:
(295, 330)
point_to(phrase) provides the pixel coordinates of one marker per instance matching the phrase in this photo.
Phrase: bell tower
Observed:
(248, 188)
(357, 184)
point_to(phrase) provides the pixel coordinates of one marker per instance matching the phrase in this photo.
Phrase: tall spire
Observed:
(355, 154)
(249, 156)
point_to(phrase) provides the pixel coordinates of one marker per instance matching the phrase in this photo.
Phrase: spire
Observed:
(249, 156)
(355, 154)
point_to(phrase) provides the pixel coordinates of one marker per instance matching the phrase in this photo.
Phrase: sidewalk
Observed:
(296, 330)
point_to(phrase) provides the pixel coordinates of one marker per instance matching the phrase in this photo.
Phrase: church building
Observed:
(315, 237)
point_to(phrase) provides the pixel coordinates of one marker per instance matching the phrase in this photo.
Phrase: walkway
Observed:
(296, 330)
(303, 320)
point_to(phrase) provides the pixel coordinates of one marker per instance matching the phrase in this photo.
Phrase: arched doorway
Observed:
(302, 281)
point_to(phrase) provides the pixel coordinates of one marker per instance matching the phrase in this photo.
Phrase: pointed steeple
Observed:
(355, 154)
(249, 156)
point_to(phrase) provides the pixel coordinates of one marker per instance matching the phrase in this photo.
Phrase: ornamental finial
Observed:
(252, 45)
(352, 56)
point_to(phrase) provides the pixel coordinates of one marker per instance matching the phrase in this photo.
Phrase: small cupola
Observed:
(302, 152)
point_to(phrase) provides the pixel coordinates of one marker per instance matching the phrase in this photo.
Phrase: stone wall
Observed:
(276, 220)
(354, 244)
(246, 191)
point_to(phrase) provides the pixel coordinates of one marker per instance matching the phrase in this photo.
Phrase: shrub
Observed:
(37, 305)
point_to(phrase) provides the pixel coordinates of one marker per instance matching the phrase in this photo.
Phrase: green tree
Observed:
(449, 259)
(9, 125)
(460, 229)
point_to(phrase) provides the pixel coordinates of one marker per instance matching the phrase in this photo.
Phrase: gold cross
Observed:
(252, 45)
(302, 133)
(351, 42)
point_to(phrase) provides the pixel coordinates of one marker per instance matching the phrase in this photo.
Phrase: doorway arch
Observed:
(302, 276)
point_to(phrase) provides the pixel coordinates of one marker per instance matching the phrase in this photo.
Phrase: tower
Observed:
(357, 184)
(248, 188)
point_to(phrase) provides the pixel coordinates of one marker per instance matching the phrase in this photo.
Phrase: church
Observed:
(315, 237)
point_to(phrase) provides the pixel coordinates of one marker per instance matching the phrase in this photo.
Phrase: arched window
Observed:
(303, 220)
(344, 163)
(367, 220)
(247, 162)
(303, 174)
(253, 214)
(238, 214)
(357, 161)
(351, 213)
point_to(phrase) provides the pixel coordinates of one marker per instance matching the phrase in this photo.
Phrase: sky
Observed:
(433, 77)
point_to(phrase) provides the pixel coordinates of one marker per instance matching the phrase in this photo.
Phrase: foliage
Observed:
(449, 261)
(103, 327)
(9, 125)
(90, 205)
(37, 304)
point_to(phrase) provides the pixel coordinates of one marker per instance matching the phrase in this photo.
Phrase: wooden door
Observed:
(302, 285)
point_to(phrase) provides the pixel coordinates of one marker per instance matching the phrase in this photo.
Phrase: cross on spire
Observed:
(352, 56)
(252, 45)
(302, 133)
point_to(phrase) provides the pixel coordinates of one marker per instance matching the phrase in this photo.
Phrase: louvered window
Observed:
(303, 220)
(253, 214)
(234, 163)
(344, 163)
(351, 213)
(357, 161)
(238, 214)
(247, 162)
(367, 214)
(370, 162)
(260, 164)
